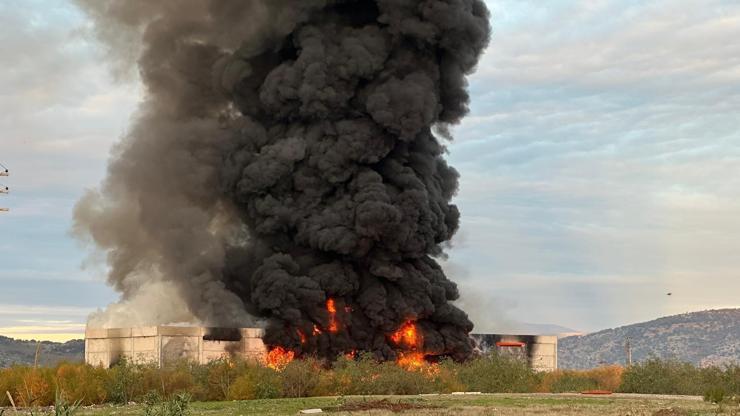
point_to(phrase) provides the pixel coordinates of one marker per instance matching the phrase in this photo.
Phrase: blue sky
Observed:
(600, 164)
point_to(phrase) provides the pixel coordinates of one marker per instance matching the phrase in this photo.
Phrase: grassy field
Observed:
(470, 405)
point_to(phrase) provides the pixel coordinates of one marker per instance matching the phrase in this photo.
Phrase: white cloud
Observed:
(35, 310)
(600, 165)
(59, 110)
(613, 44)
(602, 158)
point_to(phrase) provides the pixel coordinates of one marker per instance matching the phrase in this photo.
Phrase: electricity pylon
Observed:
(4, 189)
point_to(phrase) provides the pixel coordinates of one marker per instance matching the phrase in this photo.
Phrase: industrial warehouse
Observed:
(163, 345)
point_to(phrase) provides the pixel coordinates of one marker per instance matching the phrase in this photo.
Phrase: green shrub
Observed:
(715, 395)
(571, 382)
(176, 378)
(122, 382)
(299, 378)
(9, 380)
(28, 386)
(221, 374)
(447, 378)
(353, 377)
(731, 379)
(163, 388)
(82, 383)
(255, 382)
(367, 376)
(498, 374)
(392, 379)
(657, 376)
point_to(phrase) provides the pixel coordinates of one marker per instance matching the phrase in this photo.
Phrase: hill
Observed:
(703, 338)
(24, 352)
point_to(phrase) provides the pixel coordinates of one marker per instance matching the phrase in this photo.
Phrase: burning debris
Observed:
(285, 166)
(278, 357)
(407, 336)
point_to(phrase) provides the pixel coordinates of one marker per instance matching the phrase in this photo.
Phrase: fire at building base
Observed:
(162, 345)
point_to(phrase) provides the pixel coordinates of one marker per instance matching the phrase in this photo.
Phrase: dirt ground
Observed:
(450, 405)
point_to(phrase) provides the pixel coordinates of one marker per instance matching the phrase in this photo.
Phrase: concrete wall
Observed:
(166, 344)
(540, 351)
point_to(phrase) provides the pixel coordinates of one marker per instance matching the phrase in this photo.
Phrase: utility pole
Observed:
(628, 352)
(4, 189)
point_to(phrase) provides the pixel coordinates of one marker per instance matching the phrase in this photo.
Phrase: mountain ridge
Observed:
(21, 352)
(704, 338)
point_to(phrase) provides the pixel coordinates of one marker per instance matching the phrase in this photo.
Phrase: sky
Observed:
(600, 164)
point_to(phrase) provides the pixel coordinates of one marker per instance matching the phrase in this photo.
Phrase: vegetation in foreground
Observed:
(503, 405)
(228, 380)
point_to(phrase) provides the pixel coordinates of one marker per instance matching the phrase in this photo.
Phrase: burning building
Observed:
(286, 169)
(163, 345)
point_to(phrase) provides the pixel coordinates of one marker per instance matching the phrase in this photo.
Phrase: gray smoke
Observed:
(285, 156)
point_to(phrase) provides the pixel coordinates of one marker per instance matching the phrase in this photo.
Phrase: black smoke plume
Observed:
(285, 157)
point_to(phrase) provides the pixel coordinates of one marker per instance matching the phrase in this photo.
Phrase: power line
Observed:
(4, 189)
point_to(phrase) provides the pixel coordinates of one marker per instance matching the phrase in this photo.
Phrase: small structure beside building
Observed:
(167, 344)
(540, 351)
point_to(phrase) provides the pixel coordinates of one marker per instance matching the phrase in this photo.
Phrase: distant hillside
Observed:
(23, 352)
(703, 338)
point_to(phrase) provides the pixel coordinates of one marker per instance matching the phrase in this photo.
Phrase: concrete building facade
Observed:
(161, 345)
(540, 351)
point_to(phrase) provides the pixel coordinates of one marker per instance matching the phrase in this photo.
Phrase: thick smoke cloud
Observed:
(285, 156)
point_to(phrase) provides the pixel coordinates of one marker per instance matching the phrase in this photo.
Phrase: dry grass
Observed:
(448, 405)
(563, 381)
(236, 380)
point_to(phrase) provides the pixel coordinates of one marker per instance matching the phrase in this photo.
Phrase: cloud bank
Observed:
(601, 162)
(599, 165)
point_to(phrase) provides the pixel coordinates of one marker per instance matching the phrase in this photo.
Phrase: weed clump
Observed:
(178, 405)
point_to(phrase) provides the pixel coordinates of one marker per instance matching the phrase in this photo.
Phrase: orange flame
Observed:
(301, 335)
(411, 360)
(433, 369)
(278, 358)
(332, 308)
(351, 355)
(316, 330)
(407, 335)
